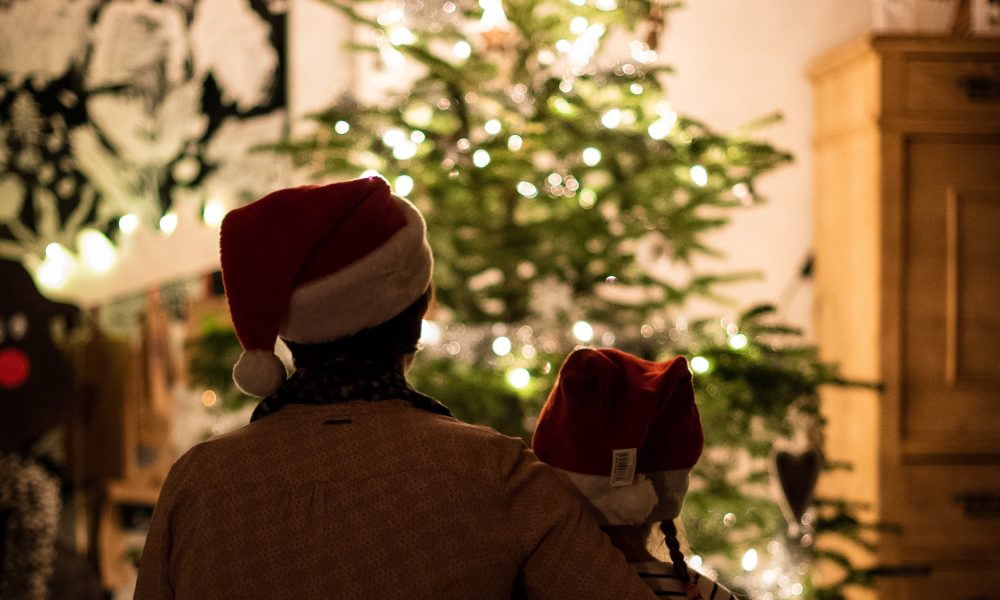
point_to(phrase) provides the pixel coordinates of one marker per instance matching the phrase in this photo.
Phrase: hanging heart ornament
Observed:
(797, 474)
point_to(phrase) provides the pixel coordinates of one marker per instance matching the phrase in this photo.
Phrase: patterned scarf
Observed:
(341, 379)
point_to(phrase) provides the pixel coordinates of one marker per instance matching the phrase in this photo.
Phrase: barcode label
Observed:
(622, 467)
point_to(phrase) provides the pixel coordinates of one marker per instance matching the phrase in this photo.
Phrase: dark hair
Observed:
(385, 343)
(669, 530)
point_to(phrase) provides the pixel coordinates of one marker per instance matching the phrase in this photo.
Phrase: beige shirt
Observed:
(373, 500)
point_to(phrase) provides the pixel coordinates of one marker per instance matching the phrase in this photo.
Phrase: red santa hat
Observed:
(317, 263)
(625, 431)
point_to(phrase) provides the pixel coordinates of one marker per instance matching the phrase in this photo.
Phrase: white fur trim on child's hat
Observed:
(651, 497)
(671, 487)
(620, 505)
(259, 373)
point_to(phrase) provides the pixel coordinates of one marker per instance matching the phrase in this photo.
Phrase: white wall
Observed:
(737, 60)
(319, 70)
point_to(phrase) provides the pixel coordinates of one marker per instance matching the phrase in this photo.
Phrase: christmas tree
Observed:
(568, 203)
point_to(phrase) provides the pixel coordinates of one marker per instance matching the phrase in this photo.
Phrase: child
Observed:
(626, 432)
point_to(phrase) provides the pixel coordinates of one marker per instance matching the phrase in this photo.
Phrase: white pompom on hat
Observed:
(317, 263)
(625, 431)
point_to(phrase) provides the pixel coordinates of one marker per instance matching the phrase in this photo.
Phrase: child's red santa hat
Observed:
(317, 263)
(625, 431)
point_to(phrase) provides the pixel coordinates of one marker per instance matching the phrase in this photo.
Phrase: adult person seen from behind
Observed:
(626, 432)
(348, 483)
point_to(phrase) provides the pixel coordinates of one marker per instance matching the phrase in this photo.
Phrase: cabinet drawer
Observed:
(947, 512)
(953, 85)
(970, 581)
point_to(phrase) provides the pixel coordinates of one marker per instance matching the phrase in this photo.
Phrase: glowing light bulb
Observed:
(527, 189)
(519, 378)
(588, 198)
(635, 88)
(492, 127)
(54, 270)
(578, 25)
(341, 127)
(514, 143)
(430, 333)
(583, 331)
(662, 126)
(501, 346)
(591, 156)
(401, 36)
(749, 561)
(700, 365)
(168, 223)
(128, 224)
(480, 158)
(462, 49)
(209, 398)
(393, 58)
(96, 250)
(695, 561)
(657, 130)
(405, 151)
(417, 137)
(393, 15)
(213, 213)
(393, 137)
(612, 118)
(699, 175)
(404, 185)
(738, 341)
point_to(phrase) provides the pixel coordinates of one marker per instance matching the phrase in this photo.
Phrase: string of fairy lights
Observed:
(96, 254)
(521, 347)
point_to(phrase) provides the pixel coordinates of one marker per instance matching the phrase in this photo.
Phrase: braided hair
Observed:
(669, 530)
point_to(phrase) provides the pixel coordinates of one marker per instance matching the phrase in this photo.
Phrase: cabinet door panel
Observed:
(951, 299)
(949, 511)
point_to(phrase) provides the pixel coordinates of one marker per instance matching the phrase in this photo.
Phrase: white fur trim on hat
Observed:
(620, 505)
(671, 487)
(259, 373)
(652, 497)
(367, 292)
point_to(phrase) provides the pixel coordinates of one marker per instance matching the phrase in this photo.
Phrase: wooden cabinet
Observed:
(907, 293)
